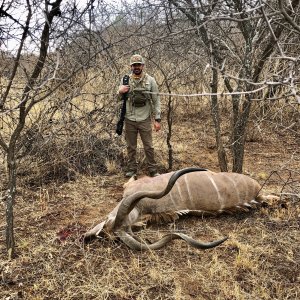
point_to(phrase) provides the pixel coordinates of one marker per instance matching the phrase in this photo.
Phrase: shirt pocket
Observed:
(148, 86)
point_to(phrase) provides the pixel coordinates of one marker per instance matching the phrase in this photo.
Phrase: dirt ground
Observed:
(260, 260)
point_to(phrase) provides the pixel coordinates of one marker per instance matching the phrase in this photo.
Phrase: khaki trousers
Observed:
(144, 128)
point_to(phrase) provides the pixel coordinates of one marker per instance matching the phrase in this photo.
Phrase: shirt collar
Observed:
(133, 76)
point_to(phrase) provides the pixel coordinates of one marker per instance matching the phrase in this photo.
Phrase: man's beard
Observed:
(137, 71)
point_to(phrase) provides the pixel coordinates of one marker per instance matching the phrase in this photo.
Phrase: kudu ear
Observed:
(93, 233)
(132, 179)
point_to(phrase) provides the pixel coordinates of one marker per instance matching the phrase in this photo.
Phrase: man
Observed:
(140, 107)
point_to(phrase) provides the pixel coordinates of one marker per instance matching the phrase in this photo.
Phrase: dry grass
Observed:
(259, 261)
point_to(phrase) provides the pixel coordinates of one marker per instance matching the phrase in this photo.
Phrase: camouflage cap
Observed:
(136, 59)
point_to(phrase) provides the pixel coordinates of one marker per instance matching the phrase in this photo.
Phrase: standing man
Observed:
(141, 106)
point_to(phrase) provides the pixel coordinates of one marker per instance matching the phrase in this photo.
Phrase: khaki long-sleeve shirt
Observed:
(152, 107)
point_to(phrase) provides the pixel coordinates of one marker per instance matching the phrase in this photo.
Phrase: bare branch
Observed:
(17, 59)
(287, 16)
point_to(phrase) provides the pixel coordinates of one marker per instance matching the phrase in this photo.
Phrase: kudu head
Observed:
(118, 222)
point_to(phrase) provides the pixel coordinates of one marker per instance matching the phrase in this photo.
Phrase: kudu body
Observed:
(189, 191)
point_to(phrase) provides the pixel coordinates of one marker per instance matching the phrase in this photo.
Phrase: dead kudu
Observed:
(192, 191)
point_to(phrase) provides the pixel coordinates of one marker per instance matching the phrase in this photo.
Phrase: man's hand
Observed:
(123, 89)
(157, 126)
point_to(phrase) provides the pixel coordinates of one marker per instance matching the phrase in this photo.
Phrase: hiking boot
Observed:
(154, 174)
(130, 174)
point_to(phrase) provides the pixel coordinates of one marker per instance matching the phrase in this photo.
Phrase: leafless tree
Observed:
(47, 49)
(242, 38)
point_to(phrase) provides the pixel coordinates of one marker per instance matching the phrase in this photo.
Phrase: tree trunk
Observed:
(10, 199)
(216, 119)
(239, 136)
(169, 135)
